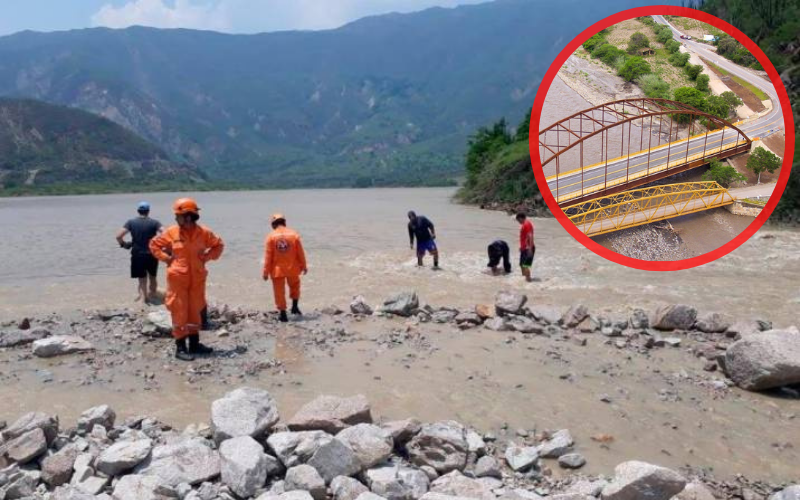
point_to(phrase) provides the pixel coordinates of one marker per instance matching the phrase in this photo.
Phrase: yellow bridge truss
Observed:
(643, 206)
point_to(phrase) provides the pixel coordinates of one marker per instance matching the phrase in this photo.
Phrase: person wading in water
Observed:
(144, 267)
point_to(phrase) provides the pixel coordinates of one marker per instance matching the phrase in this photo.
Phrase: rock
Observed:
(769, 359)
(790, 493)
(15, 338)
(442, 445)
(188, 461)
(497, 324)
(521, 494)
(637, 480)
(469, 318)
(243, 412)
(243, 465)
(335, 458)
(444, 316)
(295, 448)
(588, 488)
(674, 317)
(26, 447)
(523, 324)
(123, 456)
(396, 482)
(30, 421)
(639, 320)
(521, 458)
(571, 461)
(475, 443)
(331, 414)
(136, 487)
(548, 315)
(161, 321)
(370, 496)
(57, 468)
(712, 323)
(89, 483)
(60, 345)
(289, 495)
(20, 484)
(346, 488)
(402, 304)
(588, 325)
(574, 316)
(402, 430)
(696, 491)
(559, 444)
(456, 484)
(484, 311)
(747, 327)
(672, 341)
(508, 302)
(487, 466)
(359, 306)
(71, 493)
(99, 415)
(370, 443)
(305, 478)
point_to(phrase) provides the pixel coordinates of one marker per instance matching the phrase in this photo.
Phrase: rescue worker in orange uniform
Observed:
(185, 248)
(284, 261)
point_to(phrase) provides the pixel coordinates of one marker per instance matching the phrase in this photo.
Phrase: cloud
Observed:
(160, 14)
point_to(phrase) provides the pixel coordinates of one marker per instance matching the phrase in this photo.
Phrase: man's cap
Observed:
(276, 217)
(143, 206)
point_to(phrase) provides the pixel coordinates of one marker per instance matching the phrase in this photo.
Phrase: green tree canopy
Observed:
(761, 161)
(702, 82)
(724, 175)
(484, 145)
(732, 99)
(672, 46)
(523, 128)
(634, 68)
(637, 41)
(692, 97)
(664, 34)
(679, 59)
(594, 42)
(653, 86)
(693, 70)
(718, 106)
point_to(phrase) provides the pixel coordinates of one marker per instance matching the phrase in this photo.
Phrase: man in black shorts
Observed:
(144, 266)
(422, 228)
(497, 251)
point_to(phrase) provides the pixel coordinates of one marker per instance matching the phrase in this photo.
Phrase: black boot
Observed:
(295, 309)
(195, 347)
(282, 317)
(206, 325)
(181, 352)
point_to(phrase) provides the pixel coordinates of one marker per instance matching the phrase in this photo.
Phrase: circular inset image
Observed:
(662, 141)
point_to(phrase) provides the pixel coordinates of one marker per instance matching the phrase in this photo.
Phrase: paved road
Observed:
(573, 182)
(752, 191)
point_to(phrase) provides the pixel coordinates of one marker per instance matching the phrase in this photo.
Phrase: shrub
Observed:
(732, 99)
(672, 46)
(653, 86)
(637, 41)
(717, 106)
(634, 68)
(702, 82)
(693, 70)
(679, 59)
(594, 42)
(724, 175)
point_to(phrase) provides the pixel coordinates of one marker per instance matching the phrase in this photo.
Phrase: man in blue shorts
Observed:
(421, 228)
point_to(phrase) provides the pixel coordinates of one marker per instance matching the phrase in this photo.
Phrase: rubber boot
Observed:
(283, 317)
(204, 319)
(181, 352)
(295, 309)
(195, 347)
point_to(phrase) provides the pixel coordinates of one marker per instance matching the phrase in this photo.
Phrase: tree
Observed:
(637, 41)
(717, 106)
(664, 34)
(653, 86)
(523, 129)
(694, 70)
(672, 46)
(679, 59)
(634, 68)
(702, 82)
(724, 175)
(732, 99)
(594, 42)
(483, 146)
(762, 160)
(692, 97)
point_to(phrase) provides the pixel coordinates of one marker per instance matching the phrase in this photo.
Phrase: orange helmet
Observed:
(276, 217)
(185, 206)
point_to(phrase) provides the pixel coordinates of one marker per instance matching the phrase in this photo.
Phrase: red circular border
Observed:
(611, 255)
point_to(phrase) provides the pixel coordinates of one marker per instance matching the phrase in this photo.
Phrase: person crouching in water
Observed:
(497, 250)
(185, 248)
(284, 261)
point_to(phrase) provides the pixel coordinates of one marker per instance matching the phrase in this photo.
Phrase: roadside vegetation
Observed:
(762, 160)
(749, 86)
(722, 174)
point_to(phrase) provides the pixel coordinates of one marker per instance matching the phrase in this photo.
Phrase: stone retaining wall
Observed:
(739, 208)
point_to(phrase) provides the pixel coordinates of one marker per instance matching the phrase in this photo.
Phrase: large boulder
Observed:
(346, 488)
(639, 480)
(305, 478)
(790, 493)
(243, 465)
(395, 482)
(457, 484)
(123, 456)
(769, 359)
(559, 444)
(136, 487)
(674, 317)
(243, 412)
(402, 431)
(190, 461)
(371, 444)
(60, 345)
(331, 414)
(508, 302)
(98, 415)
(712, 323)
(57, 468)
(14, 338)
(26, 447)
(30, 421)
(69, 492)
(521, 458)
(441, 445)
(335, 458)
(574, 316)
(295, 448)
(359, 306)
(402, 304)
(548, 315)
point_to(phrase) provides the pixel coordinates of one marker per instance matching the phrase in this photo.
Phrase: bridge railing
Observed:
(643, 206)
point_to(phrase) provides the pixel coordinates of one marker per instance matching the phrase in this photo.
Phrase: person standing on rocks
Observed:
(526, 246)
(497, 250)
(284, 261)
(144, 267)
(422, 228)
(185, 248)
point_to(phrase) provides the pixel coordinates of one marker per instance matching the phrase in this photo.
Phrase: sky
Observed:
(229, 16)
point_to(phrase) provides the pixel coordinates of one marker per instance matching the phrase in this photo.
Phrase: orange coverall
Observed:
(284, 260)
(190, 249)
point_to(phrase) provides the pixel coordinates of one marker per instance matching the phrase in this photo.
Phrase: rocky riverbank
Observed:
(661, 387)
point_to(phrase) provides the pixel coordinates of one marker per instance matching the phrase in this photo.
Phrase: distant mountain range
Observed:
(384, 100)
(49, 148)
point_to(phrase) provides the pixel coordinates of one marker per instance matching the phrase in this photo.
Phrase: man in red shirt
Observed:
(526, 246)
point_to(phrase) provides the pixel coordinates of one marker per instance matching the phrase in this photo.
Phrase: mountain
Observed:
(384, 100)
(49, 148)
